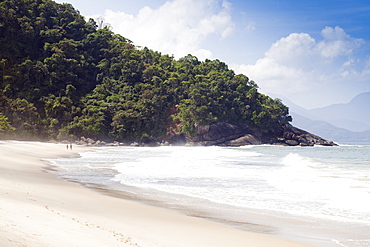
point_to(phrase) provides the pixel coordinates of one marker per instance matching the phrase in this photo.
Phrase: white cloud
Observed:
(178, 27)
(292, 51)
(296, 66)
(337, 43)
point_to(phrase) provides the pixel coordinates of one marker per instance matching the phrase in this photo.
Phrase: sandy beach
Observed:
(38, 209)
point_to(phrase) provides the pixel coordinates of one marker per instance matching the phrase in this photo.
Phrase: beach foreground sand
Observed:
(38, 209)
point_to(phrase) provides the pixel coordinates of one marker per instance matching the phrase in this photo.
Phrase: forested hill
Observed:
(65, 77)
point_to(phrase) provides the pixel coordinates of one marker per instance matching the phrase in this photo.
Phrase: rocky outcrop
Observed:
(226, 134)
(293, 136)
(247, 139)
(216, 134)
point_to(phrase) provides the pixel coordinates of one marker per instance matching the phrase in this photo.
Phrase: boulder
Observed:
(177, 140)
(292, 142)
(247, 139)
(90, 141)
(217, 134)
(134, 144)
(304, 144)
(149, 142)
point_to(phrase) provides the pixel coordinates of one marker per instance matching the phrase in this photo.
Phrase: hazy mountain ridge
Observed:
(352, 116)
(346, 122)
(329, 131)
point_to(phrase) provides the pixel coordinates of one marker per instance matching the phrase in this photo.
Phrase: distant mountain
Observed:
(329, 131)
(354, 116)
(339, 122)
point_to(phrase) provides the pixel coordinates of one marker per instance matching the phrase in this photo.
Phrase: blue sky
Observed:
(315, 53)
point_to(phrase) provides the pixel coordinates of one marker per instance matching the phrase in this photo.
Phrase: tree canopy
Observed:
(64, 77)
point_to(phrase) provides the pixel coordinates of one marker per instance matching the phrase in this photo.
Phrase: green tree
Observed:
(5, 126)
(64, 77)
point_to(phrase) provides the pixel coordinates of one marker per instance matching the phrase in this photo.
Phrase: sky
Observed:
(315, 53)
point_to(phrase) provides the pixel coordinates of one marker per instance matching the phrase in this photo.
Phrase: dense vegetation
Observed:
(63, 77)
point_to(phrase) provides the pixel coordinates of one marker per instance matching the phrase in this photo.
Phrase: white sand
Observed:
(38, 209)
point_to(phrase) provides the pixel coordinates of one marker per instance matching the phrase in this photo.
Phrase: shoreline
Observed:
(39, 209)
(282, 227)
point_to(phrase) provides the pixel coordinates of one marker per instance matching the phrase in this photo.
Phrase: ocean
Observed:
(315, 195)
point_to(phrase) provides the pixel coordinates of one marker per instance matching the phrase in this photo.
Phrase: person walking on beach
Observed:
(70, 146)
(67, 146)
